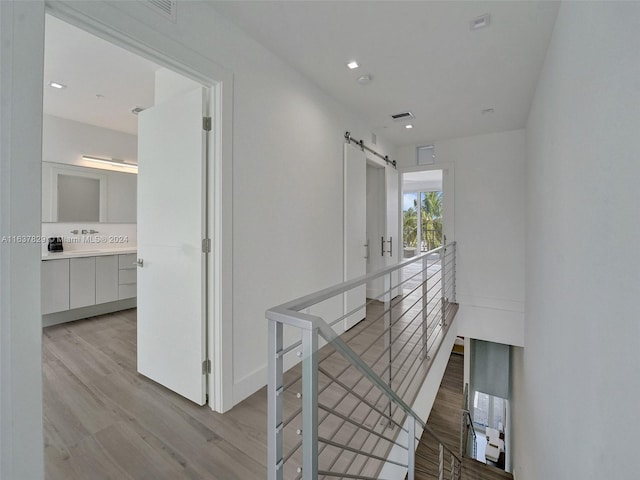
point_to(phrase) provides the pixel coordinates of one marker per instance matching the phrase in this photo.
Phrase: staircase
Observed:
(344, 410)
(445, 422)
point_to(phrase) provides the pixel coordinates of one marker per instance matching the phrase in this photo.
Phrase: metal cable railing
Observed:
(343, 411)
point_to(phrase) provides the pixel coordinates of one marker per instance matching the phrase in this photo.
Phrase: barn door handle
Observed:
(382, 250)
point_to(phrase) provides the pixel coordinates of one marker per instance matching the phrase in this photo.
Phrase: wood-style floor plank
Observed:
(103, 420)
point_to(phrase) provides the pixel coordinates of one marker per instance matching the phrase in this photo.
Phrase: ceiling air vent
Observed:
(166, 8)
(403, 116)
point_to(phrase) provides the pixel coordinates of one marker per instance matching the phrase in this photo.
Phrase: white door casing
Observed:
(171, 227)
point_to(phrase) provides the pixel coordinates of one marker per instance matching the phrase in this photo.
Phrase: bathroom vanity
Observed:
(83, 283)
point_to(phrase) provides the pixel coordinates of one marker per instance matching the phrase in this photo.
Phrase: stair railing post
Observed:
(453, 468)
(310, 404)
(388, 322)
(275, 402)
(453, 272)
(425, 308)
(441, 463)
(411, 446)
(462, 432)
(443, 292)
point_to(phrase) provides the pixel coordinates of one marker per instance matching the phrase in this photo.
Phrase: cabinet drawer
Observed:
(127, 261)
(127, 277)
(127, 291)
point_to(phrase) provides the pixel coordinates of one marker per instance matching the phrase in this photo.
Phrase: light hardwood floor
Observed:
(104, 421)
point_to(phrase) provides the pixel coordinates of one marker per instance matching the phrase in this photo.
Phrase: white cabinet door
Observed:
(55, 286)
(82, 282)
(355, 230)
(106, 278)
(171, 280)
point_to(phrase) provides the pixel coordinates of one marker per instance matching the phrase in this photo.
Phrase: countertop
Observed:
(96, 252)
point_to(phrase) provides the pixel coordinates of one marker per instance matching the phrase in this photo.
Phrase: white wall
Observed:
(21, 60)
(581, 375)
(66, 141)
(489, 231)
(285, 172)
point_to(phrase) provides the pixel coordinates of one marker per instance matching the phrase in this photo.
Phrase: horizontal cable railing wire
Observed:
(343, 411)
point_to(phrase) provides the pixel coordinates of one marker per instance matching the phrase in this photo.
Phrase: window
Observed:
(488, 411)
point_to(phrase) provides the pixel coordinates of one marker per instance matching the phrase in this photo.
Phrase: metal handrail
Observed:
(294, 306)
(291, 314)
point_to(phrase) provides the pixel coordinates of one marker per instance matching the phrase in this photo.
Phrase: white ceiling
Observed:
(422, 55)
(90, 66)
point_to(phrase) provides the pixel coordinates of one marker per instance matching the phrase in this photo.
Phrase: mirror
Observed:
(71, 193)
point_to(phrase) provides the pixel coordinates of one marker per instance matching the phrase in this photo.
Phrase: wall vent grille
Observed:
(403, 116)
(166, 8)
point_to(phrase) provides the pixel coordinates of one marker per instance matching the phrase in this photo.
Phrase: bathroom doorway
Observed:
(97, 98)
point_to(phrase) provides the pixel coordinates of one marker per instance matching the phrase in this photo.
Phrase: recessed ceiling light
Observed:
(480, 22)
(352, 64)
(408, 126)
(487, 110)
(57, 85)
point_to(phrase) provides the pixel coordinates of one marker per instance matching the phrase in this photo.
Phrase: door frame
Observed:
(220, 83)
(448, 195)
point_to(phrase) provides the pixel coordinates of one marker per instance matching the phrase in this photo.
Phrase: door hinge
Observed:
(206, 123)
(206, 367)
(206, 245)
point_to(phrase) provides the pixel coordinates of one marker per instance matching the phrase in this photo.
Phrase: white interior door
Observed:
(376, 219)
(355, 230)
(171, 226)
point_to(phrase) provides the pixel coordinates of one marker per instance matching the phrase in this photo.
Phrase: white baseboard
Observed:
(86, 312)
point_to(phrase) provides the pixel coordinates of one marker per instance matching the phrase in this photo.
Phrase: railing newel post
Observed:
(274, 388)
(310, 404)
(441, 463)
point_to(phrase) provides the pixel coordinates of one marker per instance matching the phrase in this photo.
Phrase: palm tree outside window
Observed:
(427, 205)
